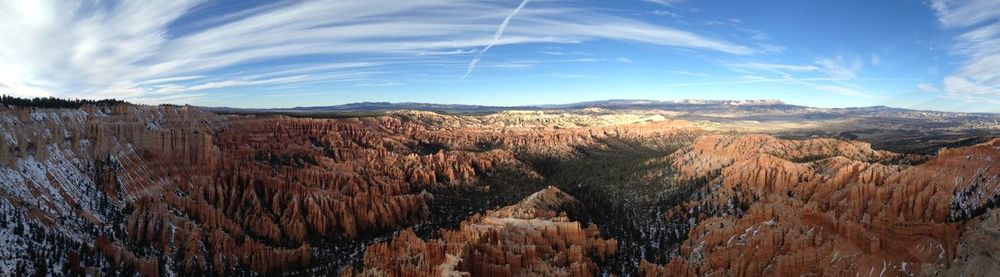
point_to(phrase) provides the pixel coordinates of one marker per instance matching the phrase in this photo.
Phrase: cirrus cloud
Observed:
(134, 49)
(977, 79)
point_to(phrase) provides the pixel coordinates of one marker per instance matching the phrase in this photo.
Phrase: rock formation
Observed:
(125, 189)
(175, 188)
(530, 238)
(780, 207)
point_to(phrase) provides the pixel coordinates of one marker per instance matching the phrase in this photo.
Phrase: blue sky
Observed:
(937, 54)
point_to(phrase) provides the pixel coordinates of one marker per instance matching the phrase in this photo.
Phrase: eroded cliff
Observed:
(173, 190)
(531, 238)
(825, 207)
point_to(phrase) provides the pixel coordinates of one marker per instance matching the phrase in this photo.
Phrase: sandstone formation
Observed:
(530, 238)
(173, 188)
(126, 189)
(280, 182)
(73, 171)
(978, 251)
(779, 207)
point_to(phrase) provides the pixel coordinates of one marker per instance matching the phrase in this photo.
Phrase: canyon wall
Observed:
(827, 207)
(530, 238)
(174, 190)
(66, 175)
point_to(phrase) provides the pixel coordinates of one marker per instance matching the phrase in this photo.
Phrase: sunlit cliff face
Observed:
(166, 189)
(829, 207)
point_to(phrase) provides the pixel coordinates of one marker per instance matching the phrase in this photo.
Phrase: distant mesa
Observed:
(615, 104)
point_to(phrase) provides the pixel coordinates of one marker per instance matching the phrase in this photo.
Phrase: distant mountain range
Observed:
(769, 106)
(614, 104)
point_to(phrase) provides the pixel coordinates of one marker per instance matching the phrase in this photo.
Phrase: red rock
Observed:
(844, 212)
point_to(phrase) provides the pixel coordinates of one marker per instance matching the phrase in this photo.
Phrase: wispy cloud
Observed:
(169, 80)
(665, 13)
(965, 13)
(776, 68)
(838, 90)
(496, 37)
(571, 76)
(385, 84)
(841, 67)
(824, 74)
(758, 39)
(817, 84)
(172, 88)
(732, 22)
(876, 60)
(977, 79)
(128, 49)
(665, 2)
(557, 52)
(926, 87)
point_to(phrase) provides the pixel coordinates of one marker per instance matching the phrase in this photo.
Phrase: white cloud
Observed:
(171, 79)
(623, 60)
(630, 30)
(769, 48)
(496, 37)
(977, 79)
(840, 67)
(295, 79)
(126, 49)
(824, 74)
(816, 84)
(965, 13)
(758, 35)
(926, 87)
(876, 60)
(665, 13)
(966, 86)
(571, 76)
(836, 68)
(731, 22)
(840, 90)
(52, 48)
(773, 67)
(557, 52)
(665, 2)
(384, 84)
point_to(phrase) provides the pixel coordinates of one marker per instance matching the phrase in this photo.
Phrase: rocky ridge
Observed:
(168, 189)
(825, 207)
(172, 190)
(530, 238)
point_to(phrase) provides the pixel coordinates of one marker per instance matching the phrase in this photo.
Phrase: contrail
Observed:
(496, 37)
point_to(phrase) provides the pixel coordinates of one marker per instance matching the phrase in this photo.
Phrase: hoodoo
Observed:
(116, 188)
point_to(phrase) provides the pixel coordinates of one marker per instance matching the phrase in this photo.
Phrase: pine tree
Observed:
(52, 102)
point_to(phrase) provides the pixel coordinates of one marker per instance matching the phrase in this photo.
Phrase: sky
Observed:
(934, 55)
